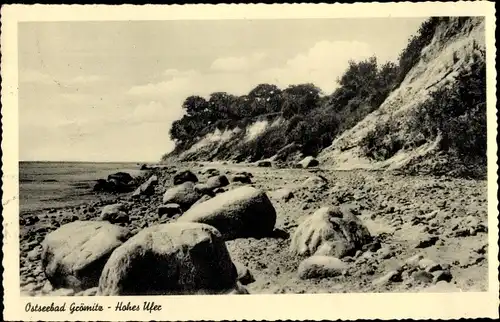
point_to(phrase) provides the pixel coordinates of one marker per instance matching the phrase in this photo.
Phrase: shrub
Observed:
(458, 113)
(411, 54)
(383, 141)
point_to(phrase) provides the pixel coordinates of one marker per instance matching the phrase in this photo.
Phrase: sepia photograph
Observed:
(167, 157)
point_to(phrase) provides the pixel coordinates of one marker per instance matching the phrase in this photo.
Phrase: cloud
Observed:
(237, 64)
(83, 79)
(152, 112)
(143, 116)
(322, 64)
(40, 78)
(178, 73)
(35, 76)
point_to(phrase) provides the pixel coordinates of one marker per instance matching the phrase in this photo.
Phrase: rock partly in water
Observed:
(239, 213)
(185, 195)
(113, 185)
(177, 258)
(185, 176)
(73, 255)
(321, 267)
(333, 231)
(123, 177)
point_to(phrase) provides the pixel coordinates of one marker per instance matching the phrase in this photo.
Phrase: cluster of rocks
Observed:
(417, 270)
(185, 255)
(307, 162)
(174, 235)
(115, 183)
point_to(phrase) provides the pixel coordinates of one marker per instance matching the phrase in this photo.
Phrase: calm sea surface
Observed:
(45, 185)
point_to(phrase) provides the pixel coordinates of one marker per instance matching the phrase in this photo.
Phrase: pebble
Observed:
(29, 287)
(385, 253)
(38, 271)
(414, 260)
(63, 292)
(428, 264)
(373, 246)
(27, 281)
(34, 254)
(47, 287)
(88, 292)
(441, 276)
(423, 276)
(427, 241)
(392, 276)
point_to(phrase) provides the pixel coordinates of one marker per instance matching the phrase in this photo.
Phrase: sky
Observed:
(109, 91)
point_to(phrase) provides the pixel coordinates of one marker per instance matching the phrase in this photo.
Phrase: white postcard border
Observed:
(240, 307)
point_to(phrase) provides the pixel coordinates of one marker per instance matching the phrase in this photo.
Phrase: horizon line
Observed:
(87, 161)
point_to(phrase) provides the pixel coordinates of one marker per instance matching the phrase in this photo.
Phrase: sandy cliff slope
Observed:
(440, 63)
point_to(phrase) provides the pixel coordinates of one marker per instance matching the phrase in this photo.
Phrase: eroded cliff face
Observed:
(227, 144)
(449, 53)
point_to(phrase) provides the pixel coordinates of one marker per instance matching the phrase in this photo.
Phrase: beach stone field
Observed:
(218, 228)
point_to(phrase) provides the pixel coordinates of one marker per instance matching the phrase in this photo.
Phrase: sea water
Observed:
(45, 185)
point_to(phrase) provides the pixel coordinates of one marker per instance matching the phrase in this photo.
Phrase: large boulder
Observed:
(217, 182)
(115, 185)
(321, 267)
(308, 162)
(123, 177)
(74, 255)
(114, 213)
(101, 185)
(168, 259)
(185, 176)
(242, 212)
(147, 188)
(212, 183)
(331, 231)
(185, 195)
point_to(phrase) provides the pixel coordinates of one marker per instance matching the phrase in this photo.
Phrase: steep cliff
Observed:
(455, 48)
